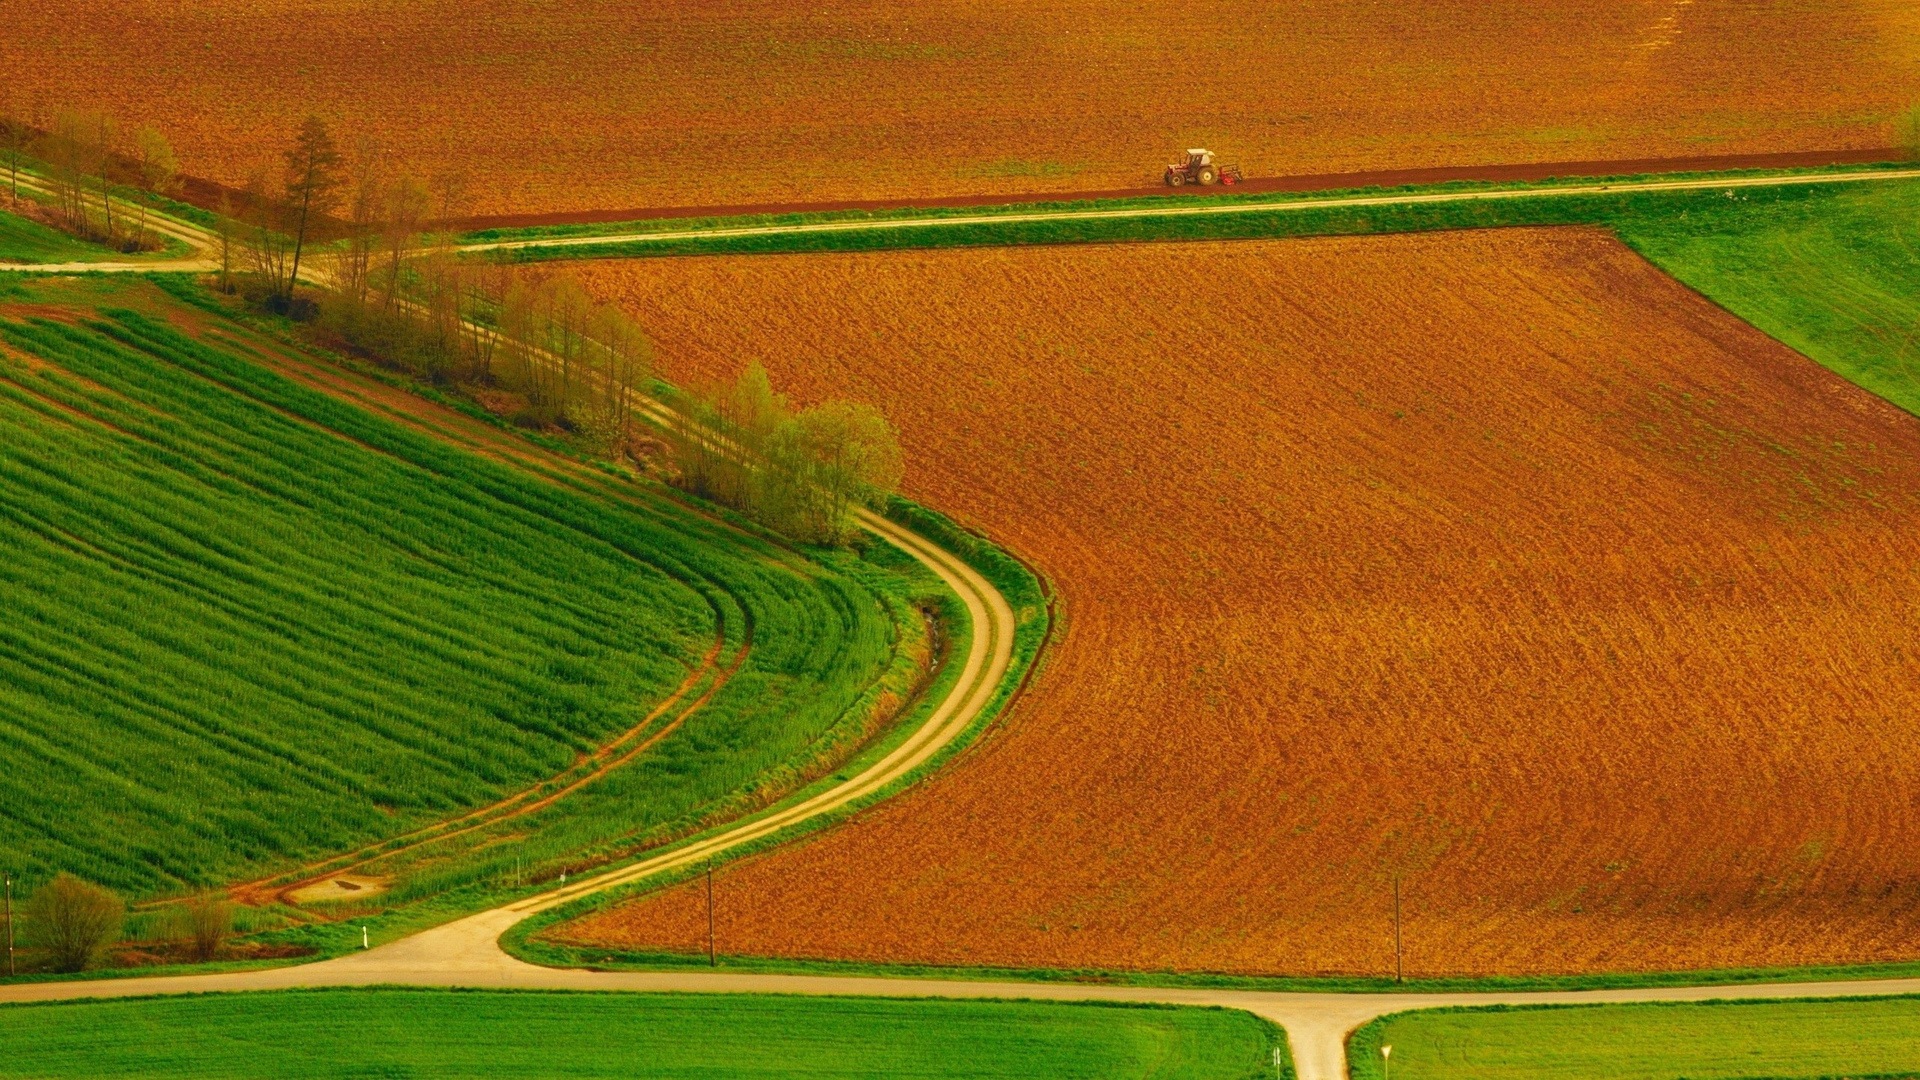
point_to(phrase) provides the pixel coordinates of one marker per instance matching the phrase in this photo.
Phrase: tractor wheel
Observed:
(1175, 179)
(1207, 175)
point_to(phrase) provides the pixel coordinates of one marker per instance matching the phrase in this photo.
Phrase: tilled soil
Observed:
(1495, 561)
(557, 108)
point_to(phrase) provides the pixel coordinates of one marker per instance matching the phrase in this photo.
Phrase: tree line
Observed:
(401, 293)
(362, 223)
(89, 162)
(801, 472)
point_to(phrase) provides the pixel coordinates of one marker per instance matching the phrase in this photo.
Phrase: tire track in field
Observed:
(602, 759)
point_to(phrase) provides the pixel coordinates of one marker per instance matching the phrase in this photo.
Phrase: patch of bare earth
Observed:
(1495, 561)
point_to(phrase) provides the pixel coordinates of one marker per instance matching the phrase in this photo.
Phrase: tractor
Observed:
(1198, 168)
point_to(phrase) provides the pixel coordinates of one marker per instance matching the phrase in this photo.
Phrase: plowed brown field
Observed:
(1496, 560)
(557, 106)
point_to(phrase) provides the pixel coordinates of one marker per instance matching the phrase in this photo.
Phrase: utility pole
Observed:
(1399, 973)
(9, 925)
(712, 958)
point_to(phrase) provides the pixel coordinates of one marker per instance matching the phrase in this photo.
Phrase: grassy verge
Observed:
(1143, 202)
(393, 1033)
(605, 959)
(1735, 1040)
(25, 241)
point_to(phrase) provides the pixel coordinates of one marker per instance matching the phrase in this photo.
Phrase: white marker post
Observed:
(363, 937)
(1386, 1062)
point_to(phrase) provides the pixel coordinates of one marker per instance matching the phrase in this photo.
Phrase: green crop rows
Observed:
(249, 624)
(406, 1033)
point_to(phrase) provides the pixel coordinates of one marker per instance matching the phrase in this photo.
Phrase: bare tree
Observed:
(313, 178)
(451, 196)
(267, 245)
(73, 920)
(225, 225)
(209, 919)
(159, 170)
(16, 134)
(65, 151)
(365, 204)
(102, 136)
(407, 205)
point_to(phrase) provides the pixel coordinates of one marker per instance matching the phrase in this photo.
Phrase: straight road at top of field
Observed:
(637, 240)
(933, 216)
(1298, 183)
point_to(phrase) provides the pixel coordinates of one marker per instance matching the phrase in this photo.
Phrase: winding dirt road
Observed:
(466, 953)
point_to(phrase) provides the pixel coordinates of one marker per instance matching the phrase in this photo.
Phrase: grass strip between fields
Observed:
(1728, 1040)
(403, 1033)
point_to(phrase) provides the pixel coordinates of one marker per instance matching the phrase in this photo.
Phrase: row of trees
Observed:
(72, 921)
(575, 364)
(86, 157)
(800, 472)
(399, 292)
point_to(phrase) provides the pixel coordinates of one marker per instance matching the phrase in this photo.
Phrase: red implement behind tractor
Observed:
(1198, 168)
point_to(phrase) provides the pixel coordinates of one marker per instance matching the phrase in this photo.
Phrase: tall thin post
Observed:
(9, 926)
(712, 958)
(1399, 973)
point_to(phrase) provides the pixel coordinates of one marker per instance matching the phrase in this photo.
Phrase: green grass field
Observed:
(392, 1034)
(1834, 273)
(24, 241)
(1875, 1037)
(249, 624)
